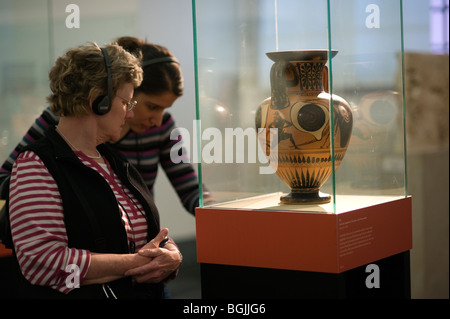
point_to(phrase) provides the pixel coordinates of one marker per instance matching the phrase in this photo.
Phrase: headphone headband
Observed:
(167, 59)
(102, 104)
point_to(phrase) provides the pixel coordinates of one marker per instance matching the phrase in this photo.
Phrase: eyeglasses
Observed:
(130, 104)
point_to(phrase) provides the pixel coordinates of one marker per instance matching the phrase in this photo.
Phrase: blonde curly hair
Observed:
(80, 75)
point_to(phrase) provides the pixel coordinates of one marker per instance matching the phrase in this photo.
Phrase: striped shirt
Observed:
(37, 221)
(152, 147)
(145, 151)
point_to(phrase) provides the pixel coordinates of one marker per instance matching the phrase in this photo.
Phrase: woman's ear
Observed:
(91, 101)
(94, 94)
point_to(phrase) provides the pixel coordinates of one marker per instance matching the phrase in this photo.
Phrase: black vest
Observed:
(91, 214)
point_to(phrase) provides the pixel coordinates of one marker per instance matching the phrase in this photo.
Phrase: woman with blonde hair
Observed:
(83, 222)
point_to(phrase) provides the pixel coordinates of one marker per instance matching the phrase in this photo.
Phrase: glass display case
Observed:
(300, 136)
(360, 162)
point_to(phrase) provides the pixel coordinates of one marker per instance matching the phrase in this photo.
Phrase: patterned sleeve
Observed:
(181, 173)
(38, 229)
(36, 131)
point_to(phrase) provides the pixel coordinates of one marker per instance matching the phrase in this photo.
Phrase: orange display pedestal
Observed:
(5, 252)
(302, 241)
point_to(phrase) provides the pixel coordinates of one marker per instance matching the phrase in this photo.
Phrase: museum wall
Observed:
(34, 33)
(427, 114)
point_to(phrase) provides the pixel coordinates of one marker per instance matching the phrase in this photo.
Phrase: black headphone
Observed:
(102, 104)
(163, 59)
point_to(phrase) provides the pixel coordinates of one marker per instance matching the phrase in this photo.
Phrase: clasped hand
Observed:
(160, 264)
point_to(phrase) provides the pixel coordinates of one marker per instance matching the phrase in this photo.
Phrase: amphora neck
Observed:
(297, 77)
(310, 75)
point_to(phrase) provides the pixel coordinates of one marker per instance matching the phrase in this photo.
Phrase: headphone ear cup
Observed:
(100, 106)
